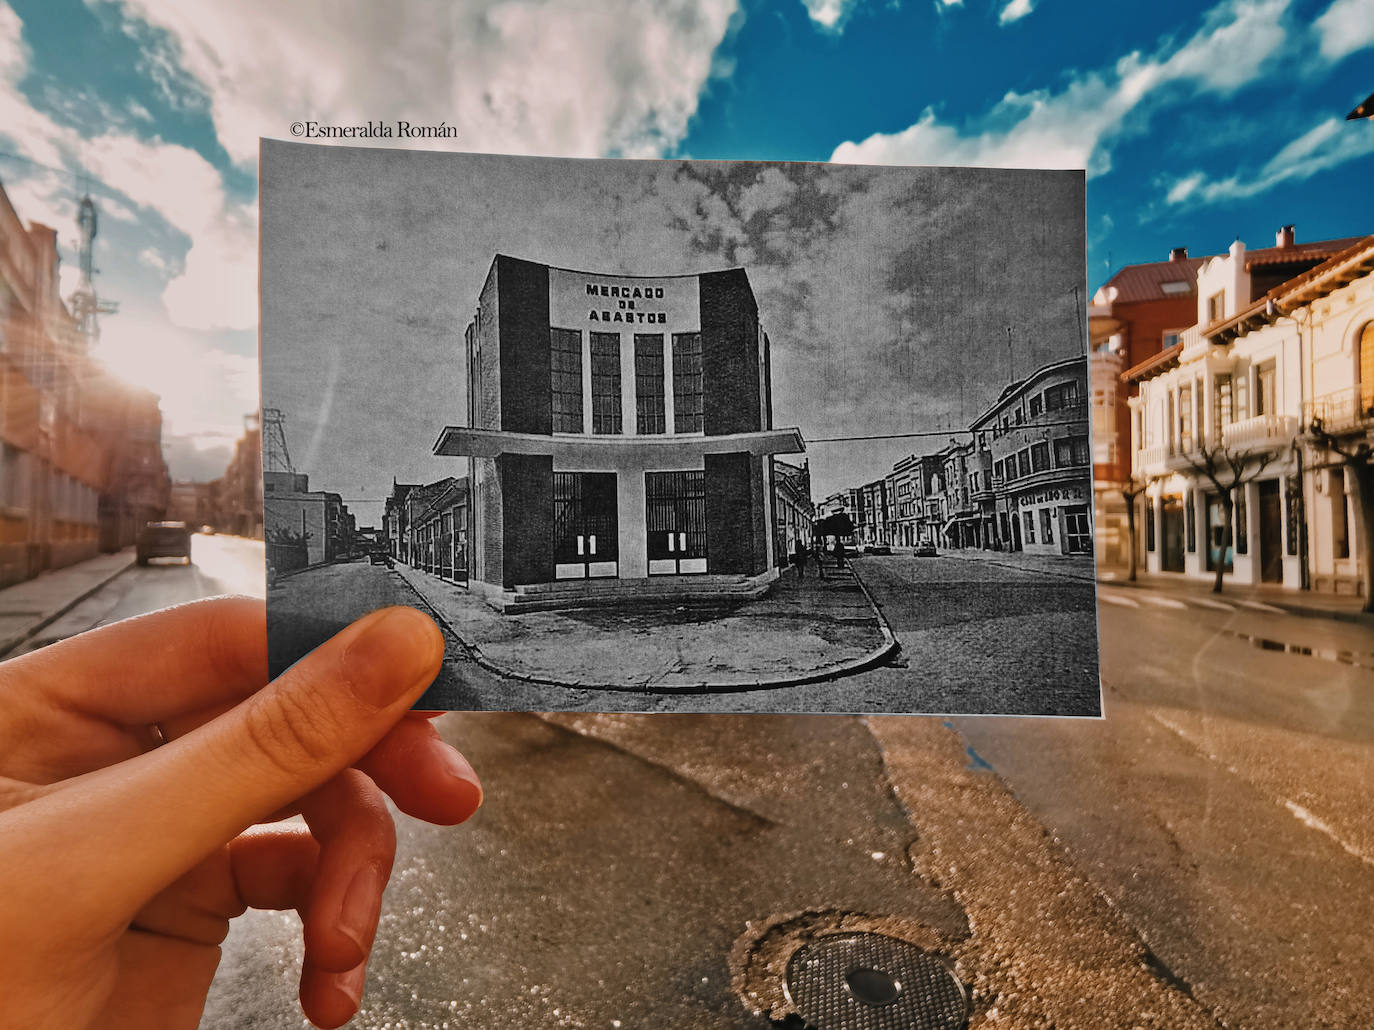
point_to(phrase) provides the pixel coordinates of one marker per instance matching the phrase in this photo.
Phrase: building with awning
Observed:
(620, 435)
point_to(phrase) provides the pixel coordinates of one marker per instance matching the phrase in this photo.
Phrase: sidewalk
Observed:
(1070, 566)
(803, 631)
(1341, 607)
(25, 608)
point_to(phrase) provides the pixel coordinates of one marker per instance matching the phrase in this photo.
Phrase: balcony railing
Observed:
(1262, 432)
(1343, 410)
(1194, 343)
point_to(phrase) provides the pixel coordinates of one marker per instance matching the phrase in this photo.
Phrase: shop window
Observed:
(1047, 525)
(1340, 524)
(649, 403)
(565, 367)
(606, 413)
(1028, 527)
(1295, 515)
(687, 380)
(1238, 523)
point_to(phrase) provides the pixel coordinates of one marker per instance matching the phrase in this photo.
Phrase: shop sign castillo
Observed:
(1058, 493)
(604, 303)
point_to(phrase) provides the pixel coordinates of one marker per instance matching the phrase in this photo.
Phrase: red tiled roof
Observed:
(1143, 282)
(1154, 363)
(1318, 249)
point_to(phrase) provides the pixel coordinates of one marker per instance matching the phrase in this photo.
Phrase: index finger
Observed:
(148, 668)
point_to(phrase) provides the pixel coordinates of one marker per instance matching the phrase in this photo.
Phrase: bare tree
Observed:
(1355, 456)
(1227, 470)
(1130, 490)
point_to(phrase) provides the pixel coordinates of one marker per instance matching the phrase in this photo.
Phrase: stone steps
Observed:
(611, 592)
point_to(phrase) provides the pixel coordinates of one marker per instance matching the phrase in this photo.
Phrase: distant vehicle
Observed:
(208, 530)
(926, 551)
(877, 549)
(163, 540)
(379, 558)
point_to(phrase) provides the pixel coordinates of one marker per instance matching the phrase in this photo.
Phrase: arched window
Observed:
(1367, 370)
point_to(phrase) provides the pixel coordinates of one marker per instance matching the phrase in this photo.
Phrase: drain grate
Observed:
(865, 981)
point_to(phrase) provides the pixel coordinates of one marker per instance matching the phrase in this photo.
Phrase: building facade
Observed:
(1234, 409)
(81, 466)
(620, 429)
(1036, 438)
(794, 514)
(304, 527)
(438, 529)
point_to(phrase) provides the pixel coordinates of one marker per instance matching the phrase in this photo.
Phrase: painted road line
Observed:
(1260, 606)
(1162, 602)
(1207, 602)
(1125, 602)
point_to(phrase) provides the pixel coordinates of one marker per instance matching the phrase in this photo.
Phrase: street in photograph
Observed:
(681, 436)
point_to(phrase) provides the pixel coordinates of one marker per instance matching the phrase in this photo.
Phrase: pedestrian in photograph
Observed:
(800, 554)
(820, 556)
(839, 554)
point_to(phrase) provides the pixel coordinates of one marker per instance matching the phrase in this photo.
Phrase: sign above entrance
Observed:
(607, 303)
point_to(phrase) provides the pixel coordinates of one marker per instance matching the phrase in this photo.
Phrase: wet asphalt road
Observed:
(1203, 857)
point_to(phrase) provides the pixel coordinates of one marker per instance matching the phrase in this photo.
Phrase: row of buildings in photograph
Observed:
(81, 465)
(1020, 481)
(1237, 391)
(620, 441)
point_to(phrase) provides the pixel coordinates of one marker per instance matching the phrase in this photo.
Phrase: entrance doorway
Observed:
(1218, 549)
(1271, 532)
(586, 526)
(1171, 558)
(675, 512)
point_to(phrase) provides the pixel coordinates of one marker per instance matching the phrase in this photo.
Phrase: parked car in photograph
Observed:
(877, 549)
(379, 558)
(926, 551)
(163, 540)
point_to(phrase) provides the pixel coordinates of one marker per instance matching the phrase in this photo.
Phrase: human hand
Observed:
(122, 861)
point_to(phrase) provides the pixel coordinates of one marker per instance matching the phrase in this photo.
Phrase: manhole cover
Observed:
(865, 981)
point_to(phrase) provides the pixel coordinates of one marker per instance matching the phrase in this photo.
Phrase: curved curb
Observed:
(880, 654)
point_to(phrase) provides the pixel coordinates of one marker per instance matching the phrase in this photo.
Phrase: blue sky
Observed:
(1197, 123)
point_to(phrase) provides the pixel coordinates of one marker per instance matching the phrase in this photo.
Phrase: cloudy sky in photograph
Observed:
(1195, 122)
(886, 292)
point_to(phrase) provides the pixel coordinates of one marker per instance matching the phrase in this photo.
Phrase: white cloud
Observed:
(516, 76)
(1074, 126)
(830, 14)
(1345, 27)
(1325, 146)
(1014, 11)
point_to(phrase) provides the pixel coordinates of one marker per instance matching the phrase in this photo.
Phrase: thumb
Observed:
(163, 812)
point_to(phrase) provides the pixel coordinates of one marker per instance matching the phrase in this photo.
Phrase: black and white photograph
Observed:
(673, 436)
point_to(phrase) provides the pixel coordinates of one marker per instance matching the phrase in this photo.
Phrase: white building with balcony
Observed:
(1237, 391)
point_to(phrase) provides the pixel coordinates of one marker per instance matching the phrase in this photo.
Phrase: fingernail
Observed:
(461, 770)
(393, 650)
(362, 904)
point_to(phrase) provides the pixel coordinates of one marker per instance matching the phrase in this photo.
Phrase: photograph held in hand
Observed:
(683, 436)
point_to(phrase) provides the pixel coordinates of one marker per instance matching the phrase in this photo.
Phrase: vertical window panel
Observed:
(687, 380)
(606, 412)
(565, 367)
(650, 414)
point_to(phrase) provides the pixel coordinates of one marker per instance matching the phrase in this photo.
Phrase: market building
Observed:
(1036, 437)
(620, 435)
